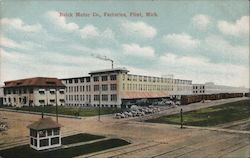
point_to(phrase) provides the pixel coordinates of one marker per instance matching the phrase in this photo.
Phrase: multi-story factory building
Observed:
(34, 92)
(109, 88)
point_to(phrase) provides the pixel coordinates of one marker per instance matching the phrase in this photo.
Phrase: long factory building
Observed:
(111, 87)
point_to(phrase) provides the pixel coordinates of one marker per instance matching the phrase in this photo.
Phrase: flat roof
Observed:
(109, 71)
(74, 78)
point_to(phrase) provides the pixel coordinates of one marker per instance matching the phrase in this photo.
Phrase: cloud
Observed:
(25, 45)
(18, 24)
(60, 21)
(183, 40)
(201, 21)
(139, 28)
(201, 69)
(136, 50)
(223, 48)
(239, 27)
(90, 31)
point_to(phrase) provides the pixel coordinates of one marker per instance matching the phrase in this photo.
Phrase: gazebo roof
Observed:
(44, 123)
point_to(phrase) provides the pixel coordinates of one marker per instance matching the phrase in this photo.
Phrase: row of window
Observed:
(51, 92)
(104, 78)
(78, 88)
(105, 87)
(144, 87)
(198, 87)
(18, 91)
(95, 105)
(105, 97)
(155, 79)
(87, 79)
(199, 91)
(78, 97)
(78, 80)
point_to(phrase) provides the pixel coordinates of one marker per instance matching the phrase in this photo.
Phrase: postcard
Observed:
(121, 78)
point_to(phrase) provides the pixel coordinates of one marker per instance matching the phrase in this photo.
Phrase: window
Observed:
(70, 81)
(61, 91)
(41, 92)
(113, 97)
(112, 77)
(44, 142)
(104, 78)
(52, 100)
(81, 80)
(88, 79)
(104, 87)
(55, 140)
(96, 97)
(76, 80)
(56, 131)
(96, 78)
(113, 87)
(96, 87)
(33, 133)
(41, 101)
(104, 97)
(49, 131)
(52, 91)
(42, 133)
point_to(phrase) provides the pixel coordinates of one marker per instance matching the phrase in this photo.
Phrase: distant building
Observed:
(34, 92)
(112, 86)
(45, 134)
(211, 88)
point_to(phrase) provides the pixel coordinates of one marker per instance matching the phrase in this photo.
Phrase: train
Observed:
(188, 99)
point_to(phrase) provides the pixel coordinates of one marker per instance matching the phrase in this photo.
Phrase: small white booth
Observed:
(45, 134)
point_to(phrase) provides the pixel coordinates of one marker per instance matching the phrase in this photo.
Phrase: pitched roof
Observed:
(137, 95)
(36, 81)
(44, 123)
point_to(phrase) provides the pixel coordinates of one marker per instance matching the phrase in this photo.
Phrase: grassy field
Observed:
(81, 137)
(210, 116)
(69, 110)
(25, 151)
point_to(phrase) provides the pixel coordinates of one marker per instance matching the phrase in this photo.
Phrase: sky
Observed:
(198, 40)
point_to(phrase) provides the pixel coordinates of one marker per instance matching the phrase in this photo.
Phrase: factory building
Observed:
(34, 92)
(109, 88)
(211, 88)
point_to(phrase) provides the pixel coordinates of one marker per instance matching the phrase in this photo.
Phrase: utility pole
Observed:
(56, 107)
(181, 118)
(99, 110)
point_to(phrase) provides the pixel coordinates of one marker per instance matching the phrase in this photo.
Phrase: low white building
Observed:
(34, 92)
(211, 88)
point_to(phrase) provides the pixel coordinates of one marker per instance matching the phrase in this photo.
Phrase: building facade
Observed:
(211, 88)
(34, 92)
(109, 88)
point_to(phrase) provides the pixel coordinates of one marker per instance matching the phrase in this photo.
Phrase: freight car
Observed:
(188, 99)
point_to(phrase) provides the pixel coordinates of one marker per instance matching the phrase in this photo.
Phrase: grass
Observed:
(81, 137)
(25, 151)
(210, 116)
(69, 110)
